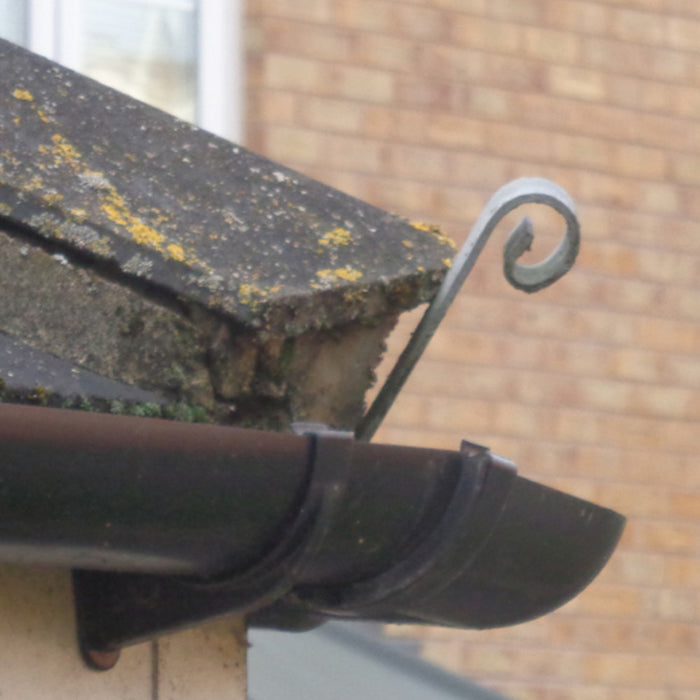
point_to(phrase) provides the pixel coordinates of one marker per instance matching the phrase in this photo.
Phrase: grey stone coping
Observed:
(28, 375)
(90, 170)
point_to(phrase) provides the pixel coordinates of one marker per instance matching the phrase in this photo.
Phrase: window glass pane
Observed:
(13, 20)
(146, 48)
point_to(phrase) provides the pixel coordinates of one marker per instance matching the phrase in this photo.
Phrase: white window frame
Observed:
(219, 98)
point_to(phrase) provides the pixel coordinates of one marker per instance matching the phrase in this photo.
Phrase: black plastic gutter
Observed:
(166, 524)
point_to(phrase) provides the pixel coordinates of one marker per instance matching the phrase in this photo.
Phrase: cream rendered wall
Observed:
(40, 657)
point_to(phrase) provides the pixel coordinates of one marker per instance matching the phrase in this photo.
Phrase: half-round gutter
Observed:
(167, 524)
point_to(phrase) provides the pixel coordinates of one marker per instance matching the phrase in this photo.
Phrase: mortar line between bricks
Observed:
(534, 372)
(535, 644)
(260, 84)
(591, 412)
(559, 406)
(566, 684)
(334, 24)
(579, 343)
(684, 189)
(599, 480)
(485, 152)
(657, 353)
(575, 678)
(653, 618)
(549, 442)
(467, 370)
(632, 344)
(418, 425)
(267, 12)
(614, 3)
(601, 309)
(681, 121)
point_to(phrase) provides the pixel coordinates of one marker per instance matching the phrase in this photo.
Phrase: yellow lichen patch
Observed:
(113, 213)
(161, 219)
(34, 183)
(444, 239)
(344, 273)
(102, 246)
(112, 204)
(118, 212)
(116, 209)
(447, 262)
(52, 198)
(354, 296)
(23, 95)
(176, 252)
(250, 294)
(408, 244)
(347, 273)
(435, 231)
(336, 237)
(16, 121)
(146, 235)
(63, 150)
(5, 209)
(43, 116)
(9, 158)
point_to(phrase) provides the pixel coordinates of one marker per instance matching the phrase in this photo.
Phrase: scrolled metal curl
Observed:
(528, 278)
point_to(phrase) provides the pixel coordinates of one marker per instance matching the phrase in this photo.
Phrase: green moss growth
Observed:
(117, 408)
(85, 405)
(145, 410)
(175, 377)
(41, 396)
(287, 356)
(186, 413)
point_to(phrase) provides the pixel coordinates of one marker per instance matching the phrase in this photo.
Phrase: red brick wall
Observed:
(593, 385)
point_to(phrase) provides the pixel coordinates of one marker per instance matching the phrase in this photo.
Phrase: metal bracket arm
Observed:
(528, 278)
